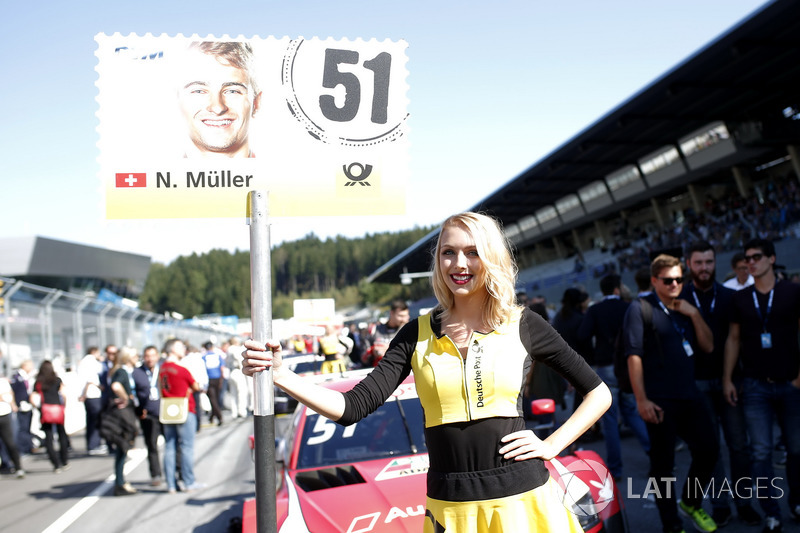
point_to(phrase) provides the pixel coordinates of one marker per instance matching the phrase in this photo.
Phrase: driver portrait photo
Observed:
(218, 96)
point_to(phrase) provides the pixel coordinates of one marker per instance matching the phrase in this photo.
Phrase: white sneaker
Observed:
(772, 524)
(195, 486)
(20, 474)
(101, 450)
(796, 512)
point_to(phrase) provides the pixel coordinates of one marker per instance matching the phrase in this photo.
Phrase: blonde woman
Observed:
(331, 348)
(486, 470)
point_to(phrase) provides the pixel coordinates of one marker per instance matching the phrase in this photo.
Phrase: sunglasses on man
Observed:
(670, 281)
(755, 258)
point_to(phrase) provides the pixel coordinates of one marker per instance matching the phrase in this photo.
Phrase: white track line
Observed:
(135, 457)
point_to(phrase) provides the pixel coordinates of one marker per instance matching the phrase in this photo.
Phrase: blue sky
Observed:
(492, 90)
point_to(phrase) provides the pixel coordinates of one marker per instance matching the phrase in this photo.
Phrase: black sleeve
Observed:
(633, 330)
(544, 344)
(121, 377)
(372, 391)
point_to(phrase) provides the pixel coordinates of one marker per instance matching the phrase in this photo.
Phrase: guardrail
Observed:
(41, 323)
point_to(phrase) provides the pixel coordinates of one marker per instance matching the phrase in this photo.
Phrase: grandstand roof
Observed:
(23, 257)
(747, 79)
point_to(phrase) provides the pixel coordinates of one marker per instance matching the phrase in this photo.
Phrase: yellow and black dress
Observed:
(329, 346)
(470, 403)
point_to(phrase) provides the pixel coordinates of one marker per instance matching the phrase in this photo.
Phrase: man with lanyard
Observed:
(714, 302)
(661, 369)
(765, 320)
(145, 377)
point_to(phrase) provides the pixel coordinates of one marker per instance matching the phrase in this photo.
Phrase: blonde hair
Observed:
(238, 54)
(125, 356)
(500, 270)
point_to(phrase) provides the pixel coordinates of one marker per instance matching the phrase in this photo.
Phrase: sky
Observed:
(492, 89)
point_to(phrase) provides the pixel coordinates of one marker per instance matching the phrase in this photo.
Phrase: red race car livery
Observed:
(370, 477)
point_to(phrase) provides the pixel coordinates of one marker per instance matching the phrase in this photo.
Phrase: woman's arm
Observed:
(119, 390)
(523, 445)
(122, 396)
(554, 351)
(588, 412)
(345, 408)
(259, 357)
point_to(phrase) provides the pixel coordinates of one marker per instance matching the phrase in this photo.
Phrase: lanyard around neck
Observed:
(697, 300)
(153, 376)
(671, 319)
(765, 316)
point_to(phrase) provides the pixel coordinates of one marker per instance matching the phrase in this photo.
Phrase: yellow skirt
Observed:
(537, 511)
(330, 367)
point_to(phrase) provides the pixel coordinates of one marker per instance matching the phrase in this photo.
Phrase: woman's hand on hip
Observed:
(524, 445)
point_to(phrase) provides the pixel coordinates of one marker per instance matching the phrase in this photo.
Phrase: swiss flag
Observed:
(127, 180)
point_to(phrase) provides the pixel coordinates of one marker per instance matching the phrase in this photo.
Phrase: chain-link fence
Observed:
(40, 323)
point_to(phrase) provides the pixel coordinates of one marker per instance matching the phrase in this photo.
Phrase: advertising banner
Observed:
(189, 125)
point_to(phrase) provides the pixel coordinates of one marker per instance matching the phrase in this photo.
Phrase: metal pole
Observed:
(161, 328)
(132, 328)
(101, 325)
(149, 331)
(263, 399)
(79, 329)
(118, 339)
(7, 325)
(47, 322)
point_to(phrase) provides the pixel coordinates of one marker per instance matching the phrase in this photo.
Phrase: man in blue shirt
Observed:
(214, 359)
(661, 369)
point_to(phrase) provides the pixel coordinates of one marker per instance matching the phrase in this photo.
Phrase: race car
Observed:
(370, 476)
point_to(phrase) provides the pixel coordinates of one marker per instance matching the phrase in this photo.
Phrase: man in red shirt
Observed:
(175, 381)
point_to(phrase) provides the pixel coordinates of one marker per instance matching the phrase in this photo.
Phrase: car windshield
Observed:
(395, 428)
(304, 364)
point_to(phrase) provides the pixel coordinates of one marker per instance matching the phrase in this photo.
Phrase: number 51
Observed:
(380, 66)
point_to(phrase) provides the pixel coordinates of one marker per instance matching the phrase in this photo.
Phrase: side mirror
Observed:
(543, 406)
(280, 461)
(280, 451)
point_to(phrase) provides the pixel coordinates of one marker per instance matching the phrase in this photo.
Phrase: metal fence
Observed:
(41, 323)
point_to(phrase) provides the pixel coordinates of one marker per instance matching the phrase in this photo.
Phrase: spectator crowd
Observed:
(692, 362)
(727, 223)
(162, 394)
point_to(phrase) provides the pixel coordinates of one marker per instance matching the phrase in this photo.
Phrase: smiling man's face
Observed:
(217, 101)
